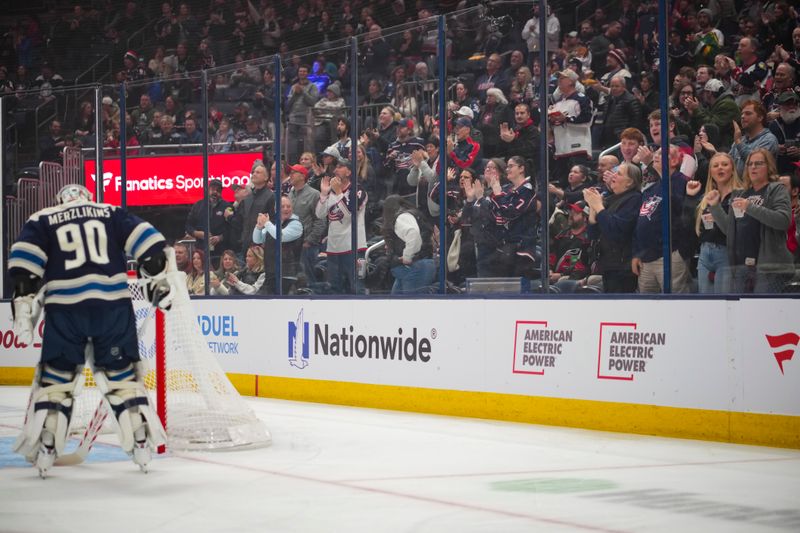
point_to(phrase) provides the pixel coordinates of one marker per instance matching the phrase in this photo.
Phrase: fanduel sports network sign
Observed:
(169, 180)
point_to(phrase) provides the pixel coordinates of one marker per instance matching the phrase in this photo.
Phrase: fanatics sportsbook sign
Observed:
(169, 180)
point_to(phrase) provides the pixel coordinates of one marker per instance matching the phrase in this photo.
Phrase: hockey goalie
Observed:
(71, 258)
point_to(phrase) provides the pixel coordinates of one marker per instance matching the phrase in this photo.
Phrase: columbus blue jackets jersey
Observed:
(80, 248)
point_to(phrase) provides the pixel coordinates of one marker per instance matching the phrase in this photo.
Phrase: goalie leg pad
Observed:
(49, 412)
(138, 425)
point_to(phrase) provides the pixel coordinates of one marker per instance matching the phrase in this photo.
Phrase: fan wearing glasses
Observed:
(755, 227)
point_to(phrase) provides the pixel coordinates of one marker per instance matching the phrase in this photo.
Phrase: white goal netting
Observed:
(203, 409)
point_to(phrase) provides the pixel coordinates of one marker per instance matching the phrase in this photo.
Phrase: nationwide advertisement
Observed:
(169, 180)
(737, 355)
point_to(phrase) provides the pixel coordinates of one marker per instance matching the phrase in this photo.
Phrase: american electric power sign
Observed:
(623, 350)
(168, 180)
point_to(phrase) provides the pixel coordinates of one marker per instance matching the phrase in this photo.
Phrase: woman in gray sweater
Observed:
(755, 228)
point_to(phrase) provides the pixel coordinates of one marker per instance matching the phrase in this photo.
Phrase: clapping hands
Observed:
(336, 185)
(325, 186)
(593, 198)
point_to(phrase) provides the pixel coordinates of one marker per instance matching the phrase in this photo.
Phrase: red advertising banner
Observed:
(169, 180)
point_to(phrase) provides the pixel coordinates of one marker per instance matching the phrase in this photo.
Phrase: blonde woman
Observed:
(368, 181)
(755, 227)
(713, 264)
(364, 171)
(308, 160)
(522, 86)
(405, 104)
(248, 280)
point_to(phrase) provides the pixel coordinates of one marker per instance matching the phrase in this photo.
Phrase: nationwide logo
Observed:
(786, 345)
(624, 352)
(537, 347)
(298, 342)
(344, 341)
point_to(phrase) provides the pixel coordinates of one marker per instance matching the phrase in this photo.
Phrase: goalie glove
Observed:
(157, 290)
(26, 310)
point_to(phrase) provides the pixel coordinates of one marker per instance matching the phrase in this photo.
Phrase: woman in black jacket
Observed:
(612, 222)
(494, 113)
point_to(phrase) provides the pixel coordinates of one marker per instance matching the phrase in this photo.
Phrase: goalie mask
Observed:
(73, 193)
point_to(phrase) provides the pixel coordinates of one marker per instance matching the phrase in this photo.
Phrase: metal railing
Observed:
(22, 206)
(93, 74)
(51, 180)
(137, 39)
(73, 165)
(250, 145)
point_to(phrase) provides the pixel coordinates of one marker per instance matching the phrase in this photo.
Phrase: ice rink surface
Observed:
(335, 469)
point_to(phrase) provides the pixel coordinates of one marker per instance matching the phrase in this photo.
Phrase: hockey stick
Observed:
(87, 441)
(92, 429)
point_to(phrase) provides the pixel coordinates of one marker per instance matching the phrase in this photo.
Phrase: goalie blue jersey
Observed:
(80, 249)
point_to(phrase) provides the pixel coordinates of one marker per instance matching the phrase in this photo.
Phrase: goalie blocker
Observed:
(78, 248)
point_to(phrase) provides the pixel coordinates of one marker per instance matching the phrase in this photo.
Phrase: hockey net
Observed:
(198, 405)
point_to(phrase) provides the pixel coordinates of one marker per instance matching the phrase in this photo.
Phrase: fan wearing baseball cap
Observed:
(464, 101)
(570, 250)
(335, 206)
(464, 151)
(719, 108)
(195, 221)
(616, 66)
(787, 130)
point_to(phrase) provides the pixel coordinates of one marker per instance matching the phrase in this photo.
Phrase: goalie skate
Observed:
(47, 419)
(138, 427)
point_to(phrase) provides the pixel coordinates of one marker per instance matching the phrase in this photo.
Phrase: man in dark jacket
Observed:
(786, 129)
(623, 111)
(196, 221)
(260, 200)
(523, 139)
(648, 250)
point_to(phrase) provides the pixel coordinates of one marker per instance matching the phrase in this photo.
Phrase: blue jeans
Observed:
(340, 274)
(747, 279)
(408, 279)
(713, 260)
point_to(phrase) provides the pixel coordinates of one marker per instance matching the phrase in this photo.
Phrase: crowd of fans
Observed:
(733, 122)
